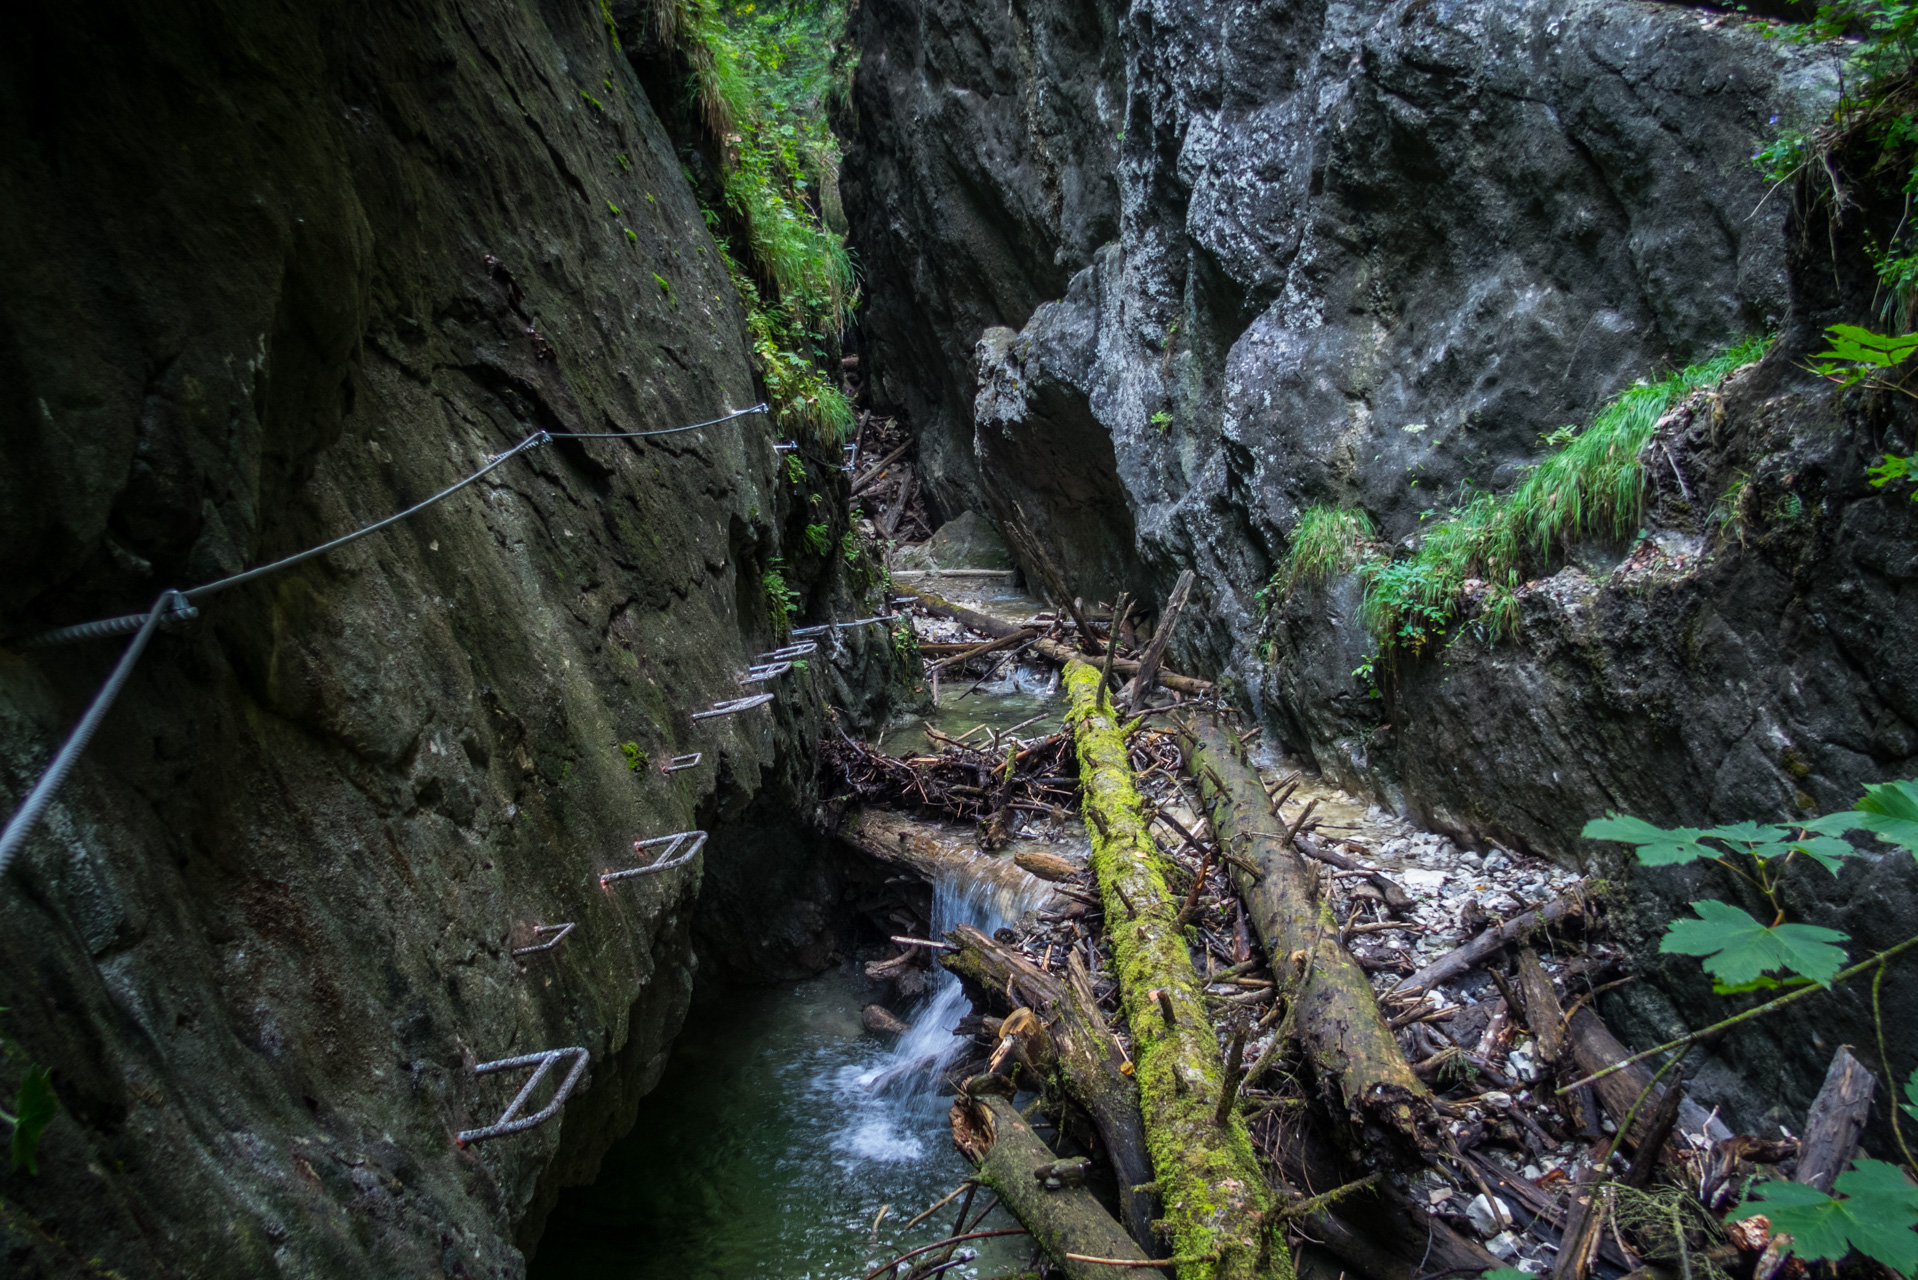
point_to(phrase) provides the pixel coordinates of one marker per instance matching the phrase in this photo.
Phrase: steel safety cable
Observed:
(131, 622)
(42, 794)
(172, 607)
(634, 435)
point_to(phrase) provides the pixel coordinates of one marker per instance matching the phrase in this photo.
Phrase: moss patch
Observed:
(1218, 1208)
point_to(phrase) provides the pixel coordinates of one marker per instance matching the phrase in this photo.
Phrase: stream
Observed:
(782, 1127)
(779, 1131)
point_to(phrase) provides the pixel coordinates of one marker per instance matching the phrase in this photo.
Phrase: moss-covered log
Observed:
(1334, 1013)
(1065, 1220)
(1079, 1055)
(1218, 1208)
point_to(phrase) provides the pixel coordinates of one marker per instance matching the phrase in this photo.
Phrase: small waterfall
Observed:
(891, 1103)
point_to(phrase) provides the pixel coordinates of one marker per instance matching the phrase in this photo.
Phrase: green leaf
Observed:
(1894, 467)
(1826, 851)
(1911, 1094)
(1747, 833)
(1862, 346)
(1875, 1217)
(1736, 948)
(1506, 1273)
(1890, 812)
(1657, 847)
(36, 1107)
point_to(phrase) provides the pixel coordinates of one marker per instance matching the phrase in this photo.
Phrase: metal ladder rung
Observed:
(510, 1120)
(733, 706)
(669, 858)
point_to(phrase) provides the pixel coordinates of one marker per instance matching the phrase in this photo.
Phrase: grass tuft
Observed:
(1592, 485)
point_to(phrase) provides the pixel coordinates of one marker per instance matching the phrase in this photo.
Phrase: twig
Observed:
(1303, 1208)
(1234, 1074)
(1298, 825)
(922, 942)
(928, 1248)
(969, 1182)
(1137, 1262)
(1746, 1016)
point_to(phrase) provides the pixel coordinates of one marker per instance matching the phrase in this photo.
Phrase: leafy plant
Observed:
(762, 77)
(1875, 1207)
(782, 600)
(635, 758)
(34, 1110)
(1368, 672)
(818, 539)
(1162, 420)
(1591, 485)
(1875, 1216)
(795, 469)
(1874, 112)
(1326, 541)
(1894, 467)
(1856, 352)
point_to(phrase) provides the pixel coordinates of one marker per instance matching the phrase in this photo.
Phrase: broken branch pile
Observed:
(992, 781)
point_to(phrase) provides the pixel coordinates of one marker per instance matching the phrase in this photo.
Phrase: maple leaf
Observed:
(1875, 1217)
(1657, 847)
(1736, 948)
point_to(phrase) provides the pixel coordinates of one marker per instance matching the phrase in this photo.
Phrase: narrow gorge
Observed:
(916, 593)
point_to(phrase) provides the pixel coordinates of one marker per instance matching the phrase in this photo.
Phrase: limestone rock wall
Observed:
(1368, 254)
(275, 271)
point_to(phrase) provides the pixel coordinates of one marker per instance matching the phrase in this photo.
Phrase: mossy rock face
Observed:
(1217, 1202)
(273, 271)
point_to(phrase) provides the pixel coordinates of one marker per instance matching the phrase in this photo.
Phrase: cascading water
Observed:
(786, 1142)
(782, 1129)
(889, 1103)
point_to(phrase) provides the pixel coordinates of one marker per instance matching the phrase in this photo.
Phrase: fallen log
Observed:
(935, 849)
(1080, 1056)
(1464, 959)
(1334, 1014)
(1064, 1220)
(1050, 649)
(902, 497)
(872, 472)
(1217, 1204)
(958, 659)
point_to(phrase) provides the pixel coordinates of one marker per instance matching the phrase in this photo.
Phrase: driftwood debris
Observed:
(1334, 1013)
(963, 781)
(1465, 958)
(1066, 1221)
(1052, 650)
(1217, 1203)
(1077, 1052)
(1836, 1121)
(1141, 686)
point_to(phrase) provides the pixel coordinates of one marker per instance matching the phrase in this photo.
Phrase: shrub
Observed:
(762, 77)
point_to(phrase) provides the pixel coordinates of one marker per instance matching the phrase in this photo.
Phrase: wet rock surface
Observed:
(277, 274)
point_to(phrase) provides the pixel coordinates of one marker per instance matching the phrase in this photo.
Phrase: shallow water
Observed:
(780, 1129)
(1018, 694)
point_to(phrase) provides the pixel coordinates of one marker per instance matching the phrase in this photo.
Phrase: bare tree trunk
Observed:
(1334, 1014)
(1835, 1122)
(1065, 1220)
